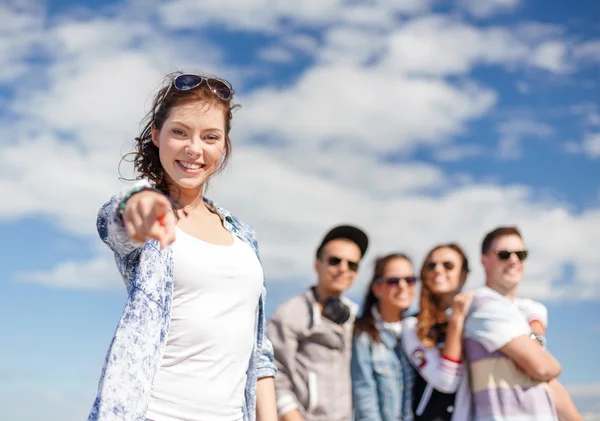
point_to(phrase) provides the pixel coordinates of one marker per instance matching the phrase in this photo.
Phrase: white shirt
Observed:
(211, 335)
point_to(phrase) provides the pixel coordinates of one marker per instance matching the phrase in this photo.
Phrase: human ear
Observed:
(155, 134)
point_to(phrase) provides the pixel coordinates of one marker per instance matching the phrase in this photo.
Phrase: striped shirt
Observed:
(501, 391)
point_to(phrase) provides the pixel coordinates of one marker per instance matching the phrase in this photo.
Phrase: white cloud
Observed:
(440, 45)
(302, 42)
(454, 153)
(513, 132)
(99, 273)
(588, 51)
(274, 17)
(593, 118)
(276, 54)
(487, 8)
(551, 56)
(591, 145)
(21, 32)
(364, 108)
(351, 45)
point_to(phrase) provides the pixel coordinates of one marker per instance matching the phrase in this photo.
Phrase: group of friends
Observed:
(478, 355)
(194, 344)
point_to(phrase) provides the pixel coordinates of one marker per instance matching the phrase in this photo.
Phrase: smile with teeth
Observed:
(190, 165)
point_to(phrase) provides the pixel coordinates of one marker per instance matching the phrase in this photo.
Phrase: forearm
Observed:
(453, 347)
(265, 400)
(565, 407)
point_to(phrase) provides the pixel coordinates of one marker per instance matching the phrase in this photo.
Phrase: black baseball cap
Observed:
(348, 232)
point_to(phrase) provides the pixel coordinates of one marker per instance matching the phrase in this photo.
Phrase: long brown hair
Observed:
(146, 158)
(432, 318)
(366, 321)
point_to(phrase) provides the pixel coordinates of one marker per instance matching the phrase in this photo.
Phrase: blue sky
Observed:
(421, 121)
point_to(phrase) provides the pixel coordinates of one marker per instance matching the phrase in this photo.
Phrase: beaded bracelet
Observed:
(175, 204)
(133, 191)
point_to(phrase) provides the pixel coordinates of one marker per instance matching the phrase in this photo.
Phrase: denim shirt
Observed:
(382, 379)
(136, 350)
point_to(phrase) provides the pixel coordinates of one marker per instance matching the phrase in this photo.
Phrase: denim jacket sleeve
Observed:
(408, 377)
(110, 226)
(364, 388)
(265, 364)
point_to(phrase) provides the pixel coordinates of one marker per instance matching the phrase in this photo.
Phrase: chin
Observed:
(402, 306)
(338, 287)
(441, 290)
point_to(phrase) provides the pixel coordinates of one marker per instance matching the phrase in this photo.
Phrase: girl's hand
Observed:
(148, 215)
(461, 304)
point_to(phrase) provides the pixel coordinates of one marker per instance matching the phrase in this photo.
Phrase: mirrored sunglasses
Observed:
(188, 81)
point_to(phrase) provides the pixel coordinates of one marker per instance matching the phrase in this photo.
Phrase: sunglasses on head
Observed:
(395, 280)
(188, 81)
(432, 265)
(334, 261)
(505, 254)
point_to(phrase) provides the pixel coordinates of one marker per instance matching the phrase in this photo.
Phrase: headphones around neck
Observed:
(334, 309)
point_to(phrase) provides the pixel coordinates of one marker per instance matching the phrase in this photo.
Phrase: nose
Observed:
(194, 148)
(344, 266)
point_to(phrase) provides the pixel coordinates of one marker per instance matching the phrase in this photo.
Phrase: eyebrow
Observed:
(181, 123)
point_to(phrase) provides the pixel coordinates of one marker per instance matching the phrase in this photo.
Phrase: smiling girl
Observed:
(433, 339)
(381, 373)
(191, 343)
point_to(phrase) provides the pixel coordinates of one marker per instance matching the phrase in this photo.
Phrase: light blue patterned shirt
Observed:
(136, 350)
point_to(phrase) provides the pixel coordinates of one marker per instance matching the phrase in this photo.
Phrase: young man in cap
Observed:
(312, 335)
(513, 377)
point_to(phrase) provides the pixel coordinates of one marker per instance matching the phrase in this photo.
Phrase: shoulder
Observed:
(485, 297)
(362, 339)
(494, 315)
(409, 324)
(351, 305)
(410, 340)
(530, 306)
(240, 227)
(293, 311)
(228, 216)
(532, 310)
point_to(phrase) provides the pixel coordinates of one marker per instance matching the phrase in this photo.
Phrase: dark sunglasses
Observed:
(394, 280)
(432, 265)
(505, 254)
(334, 261)
(187, 81)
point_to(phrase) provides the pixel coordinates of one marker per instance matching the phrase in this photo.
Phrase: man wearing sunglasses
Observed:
(512, 375)
(312, 335)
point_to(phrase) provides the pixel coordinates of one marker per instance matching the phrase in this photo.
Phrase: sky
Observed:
(421, 121)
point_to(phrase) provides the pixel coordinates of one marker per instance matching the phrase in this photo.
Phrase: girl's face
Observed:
(443, 271)
(191, 145)
(395, 291)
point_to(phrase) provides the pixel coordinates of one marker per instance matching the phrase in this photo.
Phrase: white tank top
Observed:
(203, 371)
